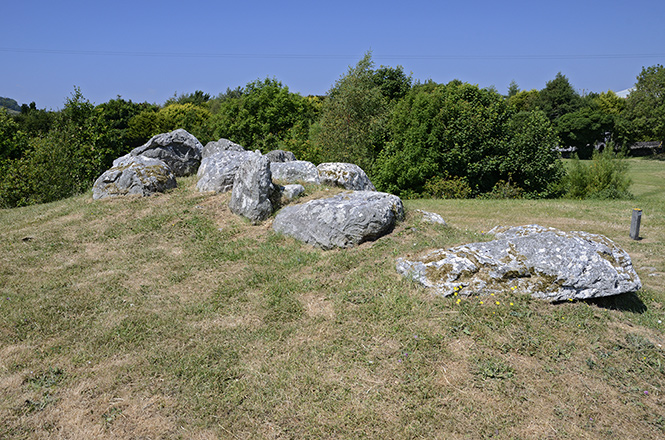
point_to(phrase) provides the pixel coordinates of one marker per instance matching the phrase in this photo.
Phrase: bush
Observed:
(504, 190)
(604, 178)
(448, 187)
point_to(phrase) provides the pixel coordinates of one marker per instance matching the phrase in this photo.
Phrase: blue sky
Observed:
(147, 50)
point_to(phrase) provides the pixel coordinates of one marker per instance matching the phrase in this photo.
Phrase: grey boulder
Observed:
(134, 175)
(291, 191)
(218, 170)
(297, 171)
(214, 147)
(280, 156)
(345, 175)
(543, 262)
(344, 220)
(252, 189)
(178, 149)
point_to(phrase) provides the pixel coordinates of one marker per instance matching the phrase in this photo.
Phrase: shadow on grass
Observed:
(659, 156)
(626, 302)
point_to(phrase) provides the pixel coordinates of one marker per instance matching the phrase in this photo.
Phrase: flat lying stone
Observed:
(544, 262)
(344, 220)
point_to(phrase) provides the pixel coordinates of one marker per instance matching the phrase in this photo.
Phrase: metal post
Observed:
(635, 224)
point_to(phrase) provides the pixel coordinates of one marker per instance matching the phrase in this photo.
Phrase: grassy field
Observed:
(169, 317)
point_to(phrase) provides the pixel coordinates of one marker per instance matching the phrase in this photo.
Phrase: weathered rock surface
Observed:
(544, 262)
(252, 189)
(345, 175)
(292, 191)
(344, 220)
(297, 171)
(218, 170)
(280, 156)
(178, 149)
(431, 217)
(214, 147)
(134, 175)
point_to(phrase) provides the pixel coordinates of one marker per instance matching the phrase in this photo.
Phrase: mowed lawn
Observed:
(169, 317)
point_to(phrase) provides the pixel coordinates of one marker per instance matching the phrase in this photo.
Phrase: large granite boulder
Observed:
(178, 149)
(345, 175)
(214, 147)
(280, 156)
(544, 262)
(252, 189)
(344, 220)
(296, 171)
(134, 175)
(218, 169)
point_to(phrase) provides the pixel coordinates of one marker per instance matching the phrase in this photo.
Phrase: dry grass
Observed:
(168, 317)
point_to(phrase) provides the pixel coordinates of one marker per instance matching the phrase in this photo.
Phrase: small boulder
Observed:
(344, 220)
(134, 175)
(252, 189)
(431, 217)
(218, 170)
(292, 191)
(280, 156)
(544, 262)
(178, 149)
(346, 175)
(297, 171)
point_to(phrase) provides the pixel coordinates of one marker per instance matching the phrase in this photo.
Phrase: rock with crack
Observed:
(218, 169)
(178, 149)
(345, 175)
(544, 262)
(252, 189)
(134, 175)
(296, 171)
(344, 220)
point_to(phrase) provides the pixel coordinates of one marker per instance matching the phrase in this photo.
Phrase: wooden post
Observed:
(635, 224)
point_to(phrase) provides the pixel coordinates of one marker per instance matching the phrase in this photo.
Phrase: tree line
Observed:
(413, 138)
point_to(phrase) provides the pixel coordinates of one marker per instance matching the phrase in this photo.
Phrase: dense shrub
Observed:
(604, 178)
(463, 131)
(447, 187)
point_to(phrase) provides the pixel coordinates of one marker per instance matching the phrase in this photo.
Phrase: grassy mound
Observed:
(169, 317)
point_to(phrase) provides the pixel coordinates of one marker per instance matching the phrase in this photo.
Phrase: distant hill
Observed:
(10, 104)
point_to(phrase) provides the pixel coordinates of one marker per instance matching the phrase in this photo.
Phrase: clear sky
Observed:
(147, 50)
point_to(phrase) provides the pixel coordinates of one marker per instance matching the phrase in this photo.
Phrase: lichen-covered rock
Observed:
(297, 171)
(544, 262)
(252, 189)
(344, 220)
(214, 147)
(178, 149)
(280, 156)
(218, 170)
(345, 175)
(134, 175)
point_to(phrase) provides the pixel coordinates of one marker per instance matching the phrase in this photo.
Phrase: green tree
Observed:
(64, 162)
(513, 89)
(646, 104)
(352, 126)
(558, 98)
(584, 128)
(114, 118)
(461, 133)
(12, 139)
(524, 100)
(263, 115)
(34, 121)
